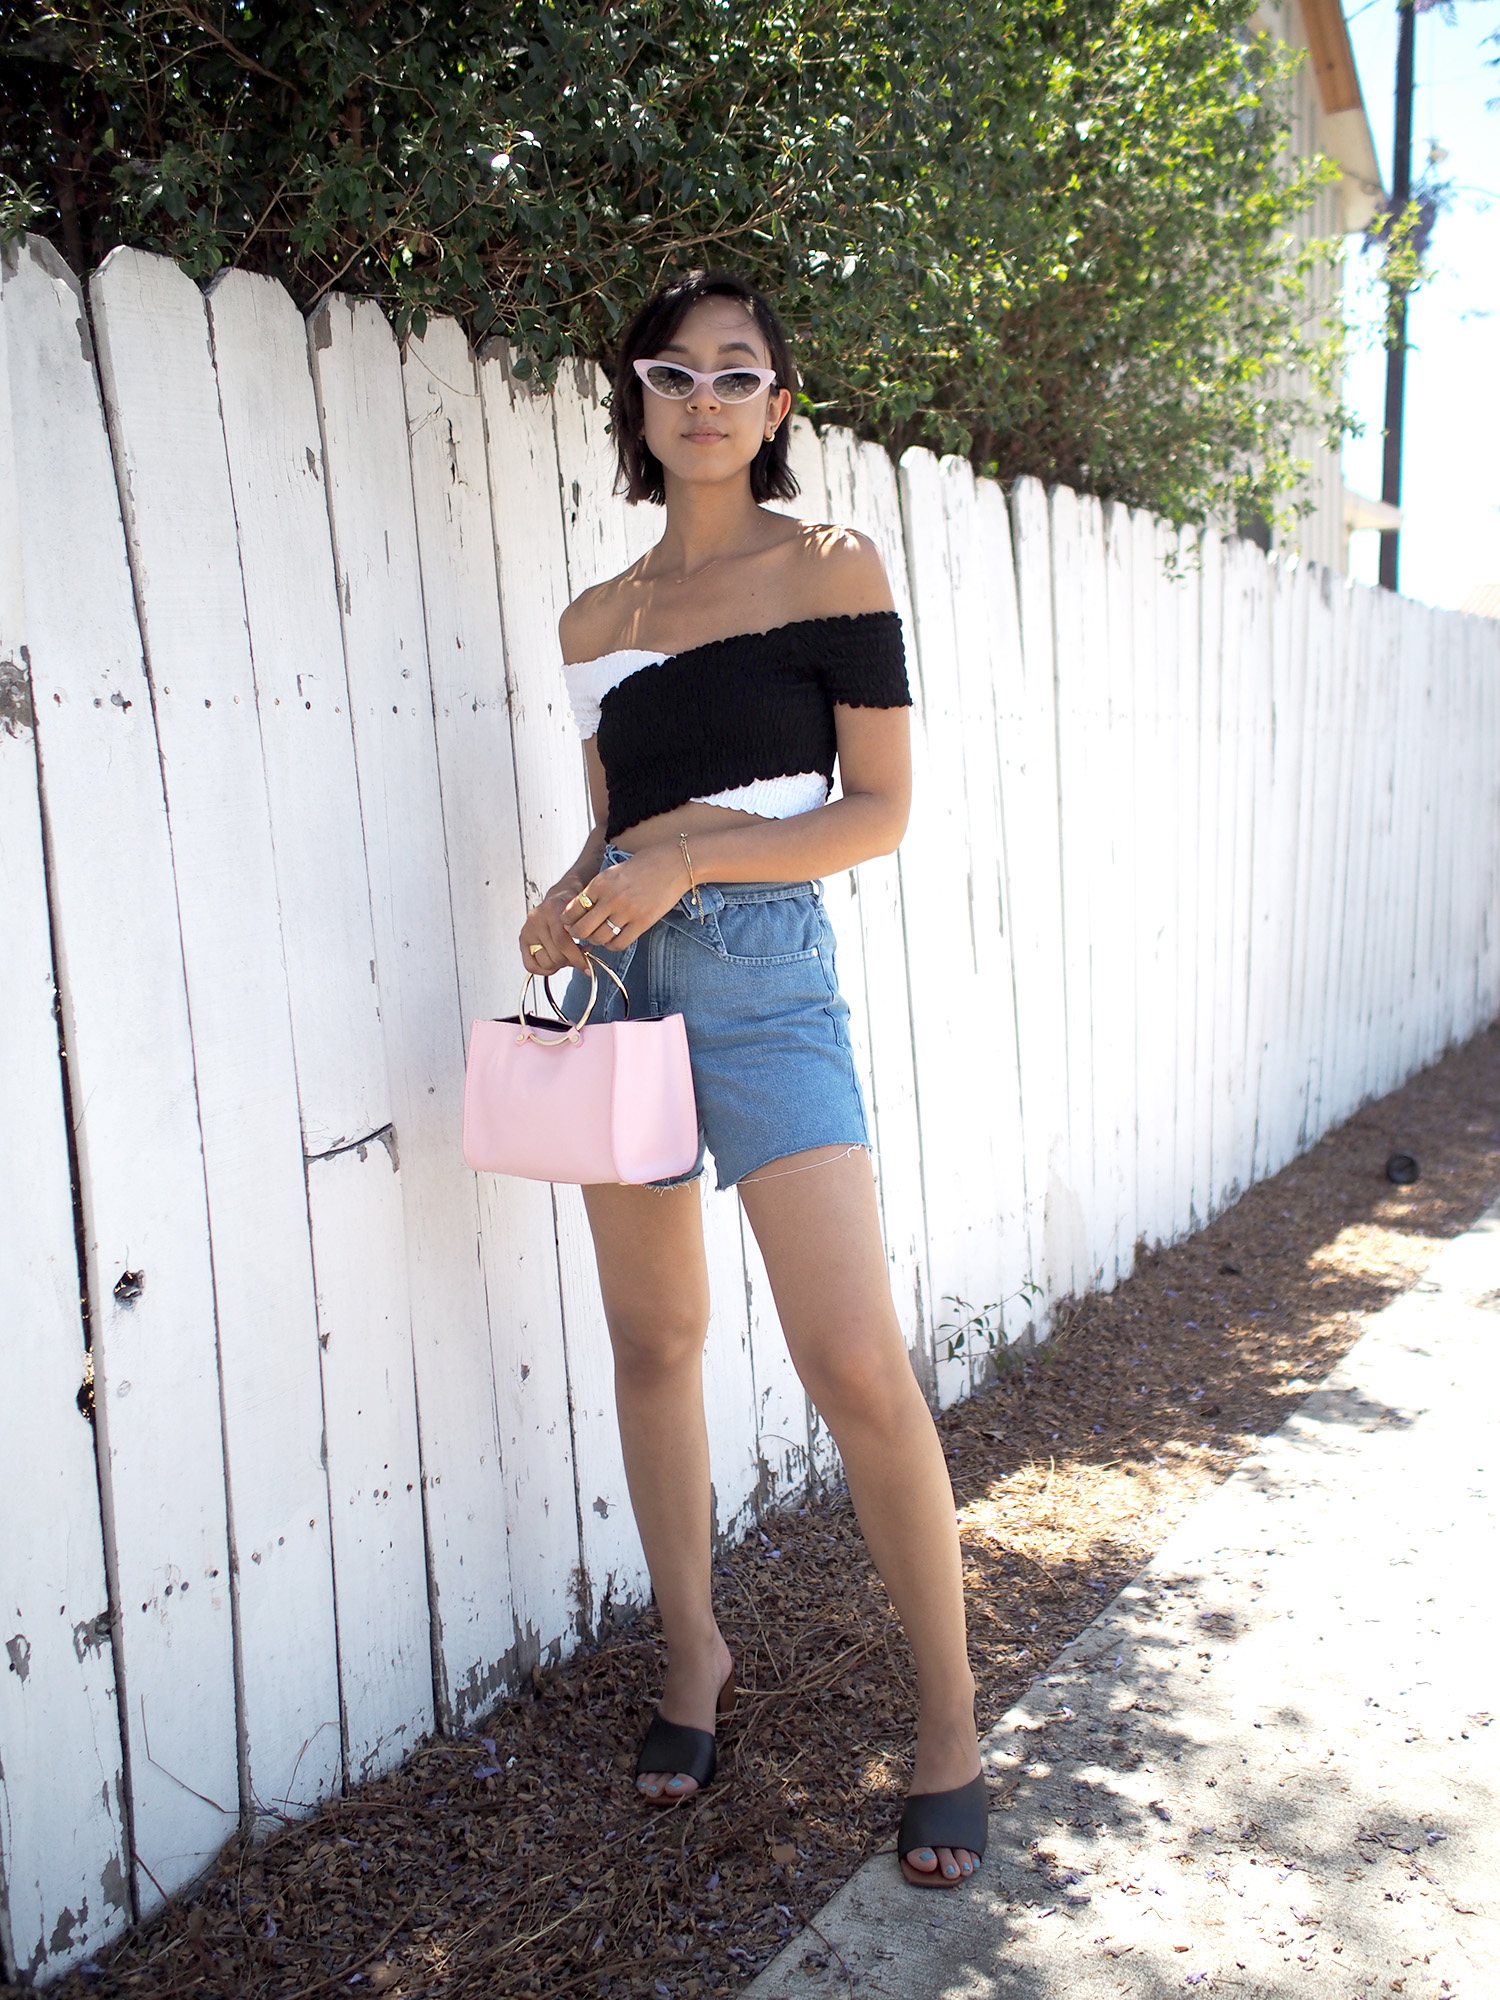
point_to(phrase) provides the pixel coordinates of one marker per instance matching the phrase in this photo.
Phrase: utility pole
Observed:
(1395, 362)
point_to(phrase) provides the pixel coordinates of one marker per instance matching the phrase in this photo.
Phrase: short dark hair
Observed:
(640, 473)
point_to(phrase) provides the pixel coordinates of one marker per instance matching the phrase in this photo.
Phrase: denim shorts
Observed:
(767, 1028)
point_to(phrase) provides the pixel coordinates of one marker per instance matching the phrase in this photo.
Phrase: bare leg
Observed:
(654, 1278)
(819, 1232)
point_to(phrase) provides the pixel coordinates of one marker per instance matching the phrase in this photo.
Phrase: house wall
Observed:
(1203, 855)
(1327, 119)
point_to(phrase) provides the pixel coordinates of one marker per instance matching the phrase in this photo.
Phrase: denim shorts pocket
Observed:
(784, 931)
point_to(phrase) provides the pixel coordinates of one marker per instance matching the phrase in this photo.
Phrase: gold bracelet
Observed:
(692, 878)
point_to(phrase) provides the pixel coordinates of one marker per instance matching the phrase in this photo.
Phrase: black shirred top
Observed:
(757, 706)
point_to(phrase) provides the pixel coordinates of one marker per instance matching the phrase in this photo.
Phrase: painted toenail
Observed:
(951, 1869)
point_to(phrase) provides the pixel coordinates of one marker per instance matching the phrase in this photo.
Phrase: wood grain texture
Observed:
(553, 811)
(275, 461)
(1180, 583)
(1209, 879)
(1081, 834)
(362, 410)
(961, 1196)
(64, 1887)
(162, 397)
(988, 667)
(517, 1522)
(1155, 869)
(1258, 676)
(469, 1518)
(1114, 983)
(374, 1463)
(276, 476)
(1032, 837)
(1232, 940)
(135, 1122)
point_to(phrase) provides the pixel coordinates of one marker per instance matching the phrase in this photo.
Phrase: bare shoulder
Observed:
(840, 572)
(591, 624)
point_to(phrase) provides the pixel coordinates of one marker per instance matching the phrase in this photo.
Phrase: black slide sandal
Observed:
(959, 1818)
(677, 1750)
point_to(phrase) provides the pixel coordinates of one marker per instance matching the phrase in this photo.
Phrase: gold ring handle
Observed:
(573, 1028)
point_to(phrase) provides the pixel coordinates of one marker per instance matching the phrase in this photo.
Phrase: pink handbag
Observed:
(612, 1102)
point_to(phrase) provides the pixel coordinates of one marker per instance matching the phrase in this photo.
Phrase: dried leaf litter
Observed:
(516, 1861)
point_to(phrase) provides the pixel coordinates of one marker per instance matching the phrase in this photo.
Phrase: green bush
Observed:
(1054, 236)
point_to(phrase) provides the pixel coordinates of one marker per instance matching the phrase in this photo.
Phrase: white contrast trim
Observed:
(589, 681)
(773, 798)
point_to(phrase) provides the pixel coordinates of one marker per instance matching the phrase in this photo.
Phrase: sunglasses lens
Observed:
(736, 387)
(669, 381)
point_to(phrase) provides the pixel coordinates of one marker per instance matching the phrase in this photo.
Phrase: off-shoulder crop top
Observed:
(744, 722)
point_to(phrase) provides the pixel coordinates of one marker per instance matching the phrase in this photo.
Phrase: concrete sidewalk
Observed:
(1269, 1768)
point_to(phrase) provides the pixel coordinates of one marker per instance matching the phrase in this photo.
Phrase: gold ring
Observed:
(583, 901)
(533, 949)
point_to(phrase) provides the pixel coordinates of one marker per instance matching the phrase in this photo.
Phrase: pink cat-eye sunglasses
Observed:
(728, 385)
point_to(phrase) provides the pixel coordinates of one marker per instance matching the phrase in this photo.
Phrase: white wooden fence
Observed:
(1204, 854)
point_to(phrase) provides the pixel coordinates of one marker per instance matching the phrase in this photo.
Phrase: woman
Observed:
(713, 681)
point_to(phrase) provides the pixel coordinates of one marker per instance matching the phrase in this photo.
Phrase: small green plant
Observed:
(980, 1326)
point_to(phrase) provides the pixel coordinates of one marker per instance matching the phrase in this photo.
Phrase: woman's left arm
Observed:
(869, 819)
(875, 770)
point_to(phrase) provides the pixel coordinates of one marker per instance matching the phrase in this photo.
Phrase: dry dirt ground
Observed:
(516, 1861)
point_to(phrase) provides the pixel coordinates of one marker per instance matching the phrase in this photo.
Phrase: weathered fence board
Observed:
(1256, 672)
(1032, 845)
(1075, 578)
(1204, 853)
(275, 463)
(162, 402)
(275, 459)
(863, 493)
(551, 807)
(471, 1572)
(1183, 589)
(985, 666)
(374, 1471)
(1153, 783)
(141, 1194)
(519, 1534)
(1232, 901)
(1114, 1003)
(63, 1857)
(1214, 827)
(362, 410)
(958, 1163)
